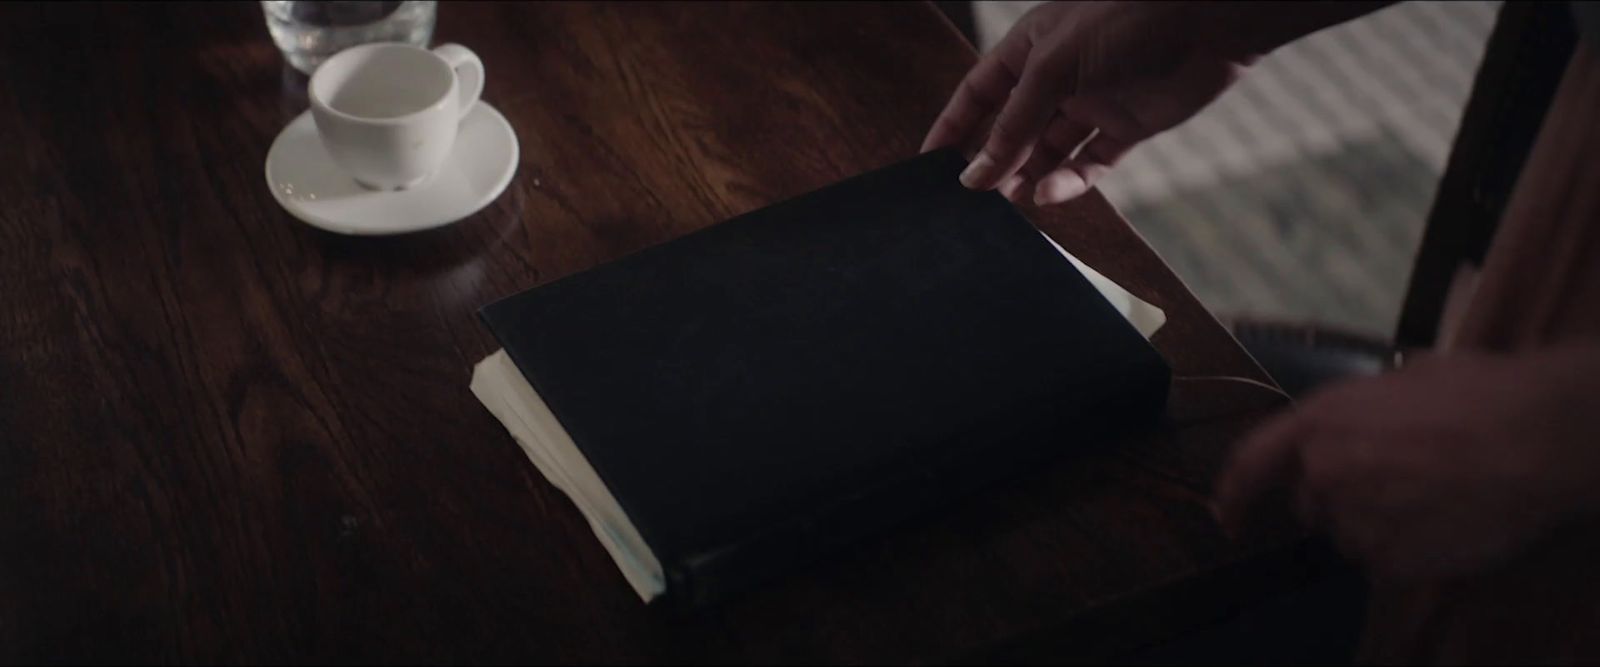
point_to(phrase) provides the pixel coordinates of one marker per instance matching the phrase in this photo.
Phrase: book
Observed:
(745, 399)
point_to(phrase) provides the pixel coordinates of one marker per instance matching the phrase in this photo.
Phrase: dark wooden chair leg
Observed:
(1523, 63)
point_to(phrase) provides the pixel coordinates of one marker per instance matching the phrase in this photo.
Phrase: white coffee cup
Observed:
(388, 112)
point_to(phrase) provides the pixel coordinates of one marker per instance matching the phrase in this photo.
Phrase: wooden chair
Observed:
(1522, 65)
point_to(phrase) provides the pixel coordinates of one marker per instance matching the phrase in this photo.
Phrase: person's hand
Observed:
(1074, 86)
(1128, 69)
(1445, 468)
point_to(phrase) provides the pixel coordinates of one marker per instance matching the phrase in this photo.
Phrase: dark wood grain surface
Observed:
(225, 435)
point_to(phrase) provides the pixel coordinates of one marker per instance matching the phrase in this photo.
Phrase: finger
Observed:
(1082, 171)
(1367, 539)
(1019, 186)
(1135, 112)
(974, 140)
(1071, 179)
(1044, 158)
(1014, 188)
(1332, 481)
(1309, 507)
(1264, 465)
(1105, 149)
(1065, 135)
(1110, 114)
(983, 90)
(1017, 128)
(1117, 131)
(1127, 116)
(1060, 139)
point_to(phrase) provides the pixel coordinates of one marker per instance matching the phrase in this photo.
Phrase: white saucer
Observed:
(306, 182)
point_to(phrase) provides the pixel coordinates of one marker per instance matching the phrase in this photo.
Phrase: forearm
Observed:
(1568, 377)
(1244, 31)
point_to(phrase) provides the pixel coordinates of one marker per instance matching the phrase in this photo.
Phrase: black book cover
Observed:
(805, 375)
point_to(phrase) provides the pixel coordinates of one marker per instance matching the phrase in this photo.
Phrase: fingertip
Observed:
(1235, 514)
(976, 176)
(1306, 508)
(1058, 187)
(1218, 516)
(1224, 509)
(1010, 186)
(1265, 464)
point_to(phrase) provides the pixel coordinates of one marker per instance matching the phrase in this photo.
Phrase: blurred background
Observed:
(1300, 195)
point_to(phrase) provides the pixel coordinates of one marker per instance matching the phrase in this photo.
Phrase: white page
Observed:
(1144, 316)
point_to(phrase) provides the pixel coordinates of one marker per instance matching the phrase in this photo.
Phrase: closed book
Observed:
(745, 399)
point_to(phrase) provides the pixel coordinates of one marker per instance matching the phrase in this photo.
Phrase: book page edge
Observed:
(501, 388)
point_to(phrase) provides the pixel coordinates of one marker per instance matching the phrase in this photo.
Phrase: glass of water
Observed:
(309, 32)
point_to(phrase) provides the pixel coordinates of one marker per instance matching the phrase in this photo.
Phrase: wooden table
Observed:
(225, 435)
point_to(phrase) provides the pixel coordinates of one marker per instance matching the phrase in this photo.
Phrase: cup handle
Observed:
(469, 74)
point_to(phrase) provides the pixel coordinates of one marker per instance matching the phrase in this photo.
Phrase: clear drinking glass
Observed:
(308, 32)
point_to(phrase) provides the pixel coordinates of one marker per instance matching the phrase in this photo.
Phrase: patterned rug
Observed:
(1301, 193)
(1325, 238)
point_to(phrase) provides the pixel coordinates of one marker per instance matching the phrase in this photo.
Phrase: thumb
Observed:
(1264, 469)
